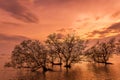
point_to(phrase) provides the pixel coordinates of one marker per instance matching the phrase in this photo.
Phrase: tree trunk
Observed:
(52, 62)
(67, 64)
(44, 69)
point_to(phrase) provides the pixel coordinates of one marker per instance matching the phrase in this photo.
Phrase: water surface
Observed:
(82, 71)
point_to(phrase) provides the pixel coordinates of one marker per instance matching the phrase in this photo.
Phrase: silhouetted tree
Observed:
(101, 52)
(117, 47)
(72, 49)
(31, 54)
(8, 64)
(53, 43)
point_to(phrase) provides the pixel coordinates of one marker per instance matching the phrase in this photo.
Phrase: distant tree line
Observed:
(56, 50)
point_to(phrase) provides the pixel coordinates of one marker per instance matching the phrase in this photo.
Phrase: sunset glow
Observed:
(59, 39)
(35, 19)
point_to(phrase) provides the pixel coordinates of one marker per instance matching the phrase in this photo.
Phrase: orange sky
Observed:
(23, 19)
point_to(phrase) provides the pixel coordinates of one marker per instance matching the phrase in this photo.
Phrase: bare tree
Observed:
(68, 49)
(31, 54)
(72, 49)
(53, 43)
(117, 47)
(101, 52)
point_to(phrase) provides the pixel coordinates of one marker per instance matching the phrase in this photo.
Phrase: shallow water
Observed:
(82, 71)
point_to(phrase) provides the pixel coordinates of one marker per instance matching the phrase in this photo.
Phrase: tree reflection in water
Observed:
(57, 75)
(101, 71)
(87, 71)
(28, 75)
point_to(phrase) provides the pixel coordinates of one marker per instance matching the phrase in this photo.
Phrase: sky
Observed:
(36, 19)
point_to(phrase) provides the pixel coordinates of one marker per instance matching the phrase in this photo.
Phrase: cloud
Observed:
(78, 3)
(12, 38)
(67, 1)
(61, 30)
(51, 2)
(113, 29)
(116, 14)
(115, 26)
(18, 11)
(10, 23)
(8, 42)
(66, 30)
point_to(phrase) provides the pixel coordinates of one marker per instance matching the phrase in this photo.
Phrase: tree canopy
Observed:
(67, 50)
